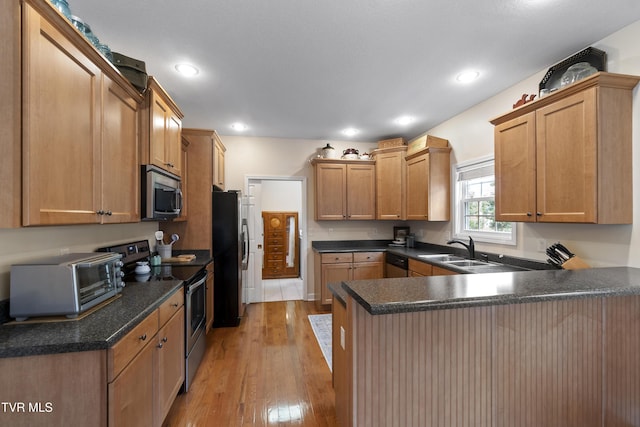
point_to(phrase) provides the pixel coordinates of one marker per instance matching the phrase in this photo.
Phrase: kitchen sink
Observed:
(442, 257)
(467, 263)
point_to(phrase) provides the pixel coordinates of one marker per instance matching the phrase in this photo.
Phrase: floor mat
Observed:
(321, 325)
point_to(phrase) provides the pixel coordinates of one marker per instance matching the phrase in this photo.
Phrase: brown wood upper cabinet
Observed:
(161, 129)
(198, 179)
(80, 162)
(567, 156)
(428, 185)
(345, 189)
(391, 178)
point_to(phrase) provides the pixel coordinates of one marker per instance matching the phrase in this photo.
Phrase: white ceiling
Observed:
(310, 68)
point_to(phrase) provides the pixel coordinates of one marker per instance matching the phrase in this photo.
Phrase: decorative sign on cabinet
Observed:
(567, 157)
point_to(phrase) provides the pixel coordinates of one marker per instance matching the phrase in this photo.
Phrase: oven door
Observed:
(195, 309)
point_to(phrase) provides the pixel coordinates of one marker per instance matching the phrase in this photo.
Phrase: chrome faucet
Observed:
(470, 247)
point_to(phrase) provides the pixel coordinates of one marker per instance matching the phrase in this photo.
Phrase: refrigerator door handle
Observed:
(245, 244)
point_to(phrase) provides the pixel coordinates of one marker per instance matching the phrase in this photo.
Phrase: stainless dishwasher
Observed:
(396, 265)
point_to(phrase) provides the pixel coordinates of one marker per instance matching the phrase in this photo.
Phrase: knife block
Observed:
(575, 263)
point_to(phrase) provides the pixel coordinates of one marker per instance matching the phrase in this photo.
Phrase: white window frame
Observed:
(458, 207)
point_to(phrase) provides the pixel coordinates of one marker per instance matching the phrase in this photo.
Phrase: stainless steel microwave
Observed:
(64, 285)
(161, 194)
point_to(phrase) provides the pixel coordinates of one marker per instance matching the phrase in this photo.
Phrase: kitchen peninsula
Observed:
(552, 347)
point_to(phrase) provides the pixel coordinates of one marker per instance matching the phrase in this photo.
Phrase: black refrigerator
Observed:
(230, 257)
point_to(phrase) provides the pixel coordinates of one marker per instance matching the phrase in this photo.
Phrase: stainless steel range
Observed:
(194, 278)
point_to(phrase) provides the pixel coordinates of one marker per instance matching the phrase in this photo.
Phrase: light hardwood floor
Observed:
(267, 371)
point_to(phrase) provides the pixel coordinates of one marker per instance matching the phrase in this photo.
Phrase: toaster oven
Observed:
(64, 285)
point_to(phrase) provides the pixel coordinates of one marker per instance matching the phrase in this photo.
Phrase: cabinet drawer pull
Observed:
(143, 337)
(160, 345)
(529, 214)
(164, 339)
(539, 213)
(175, 304)
(100, 212)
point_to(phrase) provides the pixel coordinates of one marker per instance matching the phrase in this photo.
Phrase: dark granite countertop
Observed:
(97, 331)
(385, 296)
(500, 263)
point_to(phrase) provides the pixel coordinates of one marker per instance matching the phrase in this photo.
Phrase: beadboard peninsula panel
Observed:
(424, 368)
(622, 356)
(548, 363)
(561, 362)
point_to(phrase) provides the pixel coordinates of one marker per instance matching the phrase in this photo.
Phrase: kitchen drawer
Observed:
(368, 257)
(131, 344)
(277, 256)
(336, 257)
(169, 307)
(420, 267)
(276, 235)
(274, 241)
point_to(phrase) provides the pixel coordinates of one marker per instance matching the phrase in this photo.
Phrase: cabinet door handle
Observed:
(538, 213)
(529, 214)
(143, 337)
(175, 304)
(160, 345)
(100, 212)
(165, 339)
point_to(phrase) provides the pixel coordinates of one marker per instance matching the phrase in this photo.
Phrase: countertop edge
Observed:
(548, 290)
(102, 341)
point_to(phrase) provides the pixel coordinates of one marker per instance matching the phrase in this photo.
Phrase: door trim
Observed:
(304, 249)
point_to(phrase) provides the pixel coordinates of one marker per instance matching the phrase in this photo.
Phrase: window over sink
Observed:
(474, 204)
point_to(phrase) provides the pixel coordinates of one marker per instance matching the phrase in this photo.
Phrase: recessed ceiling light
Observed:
(404, 120)
(187, 70)
(467, 76)
(239, 127)
(350, 131)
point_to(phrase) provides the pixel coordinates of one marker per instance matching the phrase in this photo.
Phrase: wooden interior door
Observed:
(281, 245)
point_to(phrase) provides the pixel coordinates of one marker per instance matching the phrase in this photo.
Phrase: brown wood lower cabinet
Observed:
(142, 393)
(337, 267)
(134, 383)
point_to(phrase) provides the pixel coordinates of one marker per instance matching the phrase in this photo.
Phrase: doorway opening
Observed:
(280, 197)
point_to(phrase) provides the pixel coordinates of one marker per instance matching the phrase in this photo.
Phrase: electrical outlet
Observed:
(542, 245)
(343, 344)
